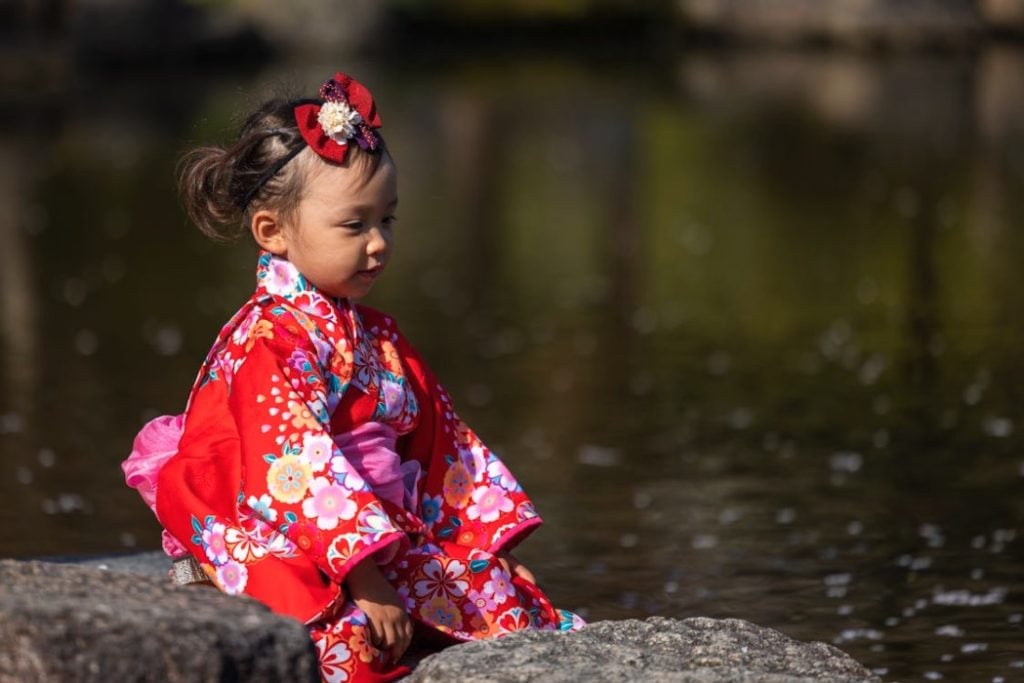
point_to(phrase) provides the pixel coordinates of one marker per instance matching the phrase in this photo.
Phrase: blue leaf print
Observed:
(477, 566)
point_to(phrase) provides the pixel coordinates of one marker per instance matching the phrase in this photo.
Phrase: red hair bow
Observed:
(347, 113)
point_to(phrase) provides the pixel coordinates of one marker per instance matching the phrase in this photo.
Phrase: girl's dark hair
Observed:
(220, 187)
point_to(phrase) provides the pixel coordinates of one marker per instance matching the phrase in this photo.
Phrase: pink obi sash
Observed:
(370, 448)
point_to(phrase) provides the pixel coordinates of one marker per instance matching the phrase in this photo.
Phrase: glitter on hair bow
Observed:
(347, 114)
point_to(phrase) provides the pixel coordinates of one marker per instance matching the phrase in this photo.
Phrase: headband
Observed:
(344, 113)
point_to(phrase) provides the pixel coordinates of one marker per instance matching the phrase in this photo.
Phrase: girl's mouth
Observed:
(371, 273)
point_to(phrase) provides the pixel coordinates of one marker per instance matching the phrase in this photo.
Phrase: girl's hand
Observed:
(390, 626)
(515, 567)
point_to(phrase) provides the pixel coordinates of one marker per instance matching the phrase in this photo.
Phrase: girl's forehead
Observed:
(360, 183)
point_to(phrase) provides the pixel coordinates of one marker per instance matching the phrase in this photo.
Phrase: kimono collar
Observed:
(278, 277)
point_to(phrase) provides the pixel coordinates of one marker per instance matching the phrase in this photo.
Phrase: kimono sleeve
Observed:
(468, 495)
(262, 447)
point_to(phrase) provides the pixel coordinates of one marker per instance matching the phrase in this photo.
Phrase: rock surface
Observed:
(72, 623)
(657, 649)
(119, 618)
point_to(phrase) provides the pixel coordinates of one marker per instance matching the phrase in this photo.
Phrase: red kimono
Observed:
(266, 493)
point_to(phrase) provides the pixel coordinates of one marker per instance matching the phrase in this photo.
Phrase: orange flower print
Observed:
(262, 328)
(389, 355)
(302, 416)
(471, 535)
(288, 479)
(458, 485)
(360, 644)
(442, 613)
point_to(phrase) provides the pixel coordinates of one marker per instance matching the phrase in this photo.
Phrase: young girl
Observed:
(319, 467)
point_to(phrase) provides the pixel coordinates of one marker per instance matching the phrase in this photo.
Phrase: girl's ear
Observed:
(268, 231)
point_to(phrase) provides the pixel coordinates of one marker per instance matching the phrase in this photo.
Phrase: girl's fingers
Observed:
(374, 633)
(405, 629)
(390, 637)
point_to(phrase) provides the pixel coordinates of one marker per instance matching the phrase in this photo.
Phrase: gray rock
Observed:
(656, 649)
(120, 618)
(68, 622)
(155, 564)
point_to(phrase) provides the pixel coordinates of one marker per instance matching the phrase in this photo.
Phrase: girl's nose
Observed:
(377, 242)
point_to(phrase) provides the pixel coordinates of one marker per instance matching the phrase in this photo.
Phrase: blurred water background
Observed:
(741, 303)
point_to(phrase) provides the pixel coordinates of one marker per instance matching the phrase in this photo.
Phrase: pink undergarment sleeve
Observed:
(154, 445)
(370, 449)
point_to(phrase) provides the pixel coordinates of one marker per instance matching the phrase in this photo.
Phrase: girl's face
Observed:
(341, 233)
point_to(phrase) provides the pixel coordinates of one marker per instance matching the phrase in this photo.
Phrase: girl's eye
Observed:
(390, 220)
(354, 226)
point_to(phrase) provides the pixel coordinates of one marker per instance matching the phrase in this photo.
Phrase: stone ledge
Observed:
(120, 618)
(72, 623)
(657, 649)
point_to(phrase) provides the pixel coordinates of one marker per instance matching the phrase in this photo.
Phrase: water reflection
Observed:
(745, 326)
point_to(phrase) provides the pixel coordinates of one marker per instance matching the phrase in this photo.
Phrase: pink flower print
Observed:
(261, 506)
(232, 577)
(299, 363)
(482, 602)
(499, 588)
(392, 394)
(242, 331)
(488, 503)
(215, 544)
(443, 580)
(332, 660)
(282, 277)
(329, 503)
(317, 450)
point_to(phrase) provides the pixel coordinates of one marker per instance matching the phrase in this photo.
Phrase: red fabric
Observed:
(357, 96)
(264, 498)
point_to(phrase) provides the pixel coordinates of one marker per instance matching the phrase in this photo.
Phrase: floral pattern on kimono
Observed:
(271, 507)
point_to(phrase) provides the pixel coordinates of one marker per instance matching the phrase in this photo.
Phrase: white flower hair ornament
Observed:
(347, 114)
(339, 121)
